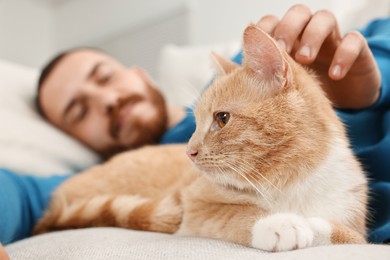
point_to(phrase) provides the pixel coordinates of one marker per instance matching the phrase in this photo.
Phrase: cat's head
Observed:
(262, 122)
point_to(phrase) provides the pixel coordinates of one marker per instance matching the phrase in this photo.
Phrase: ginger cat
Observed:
(273, 168)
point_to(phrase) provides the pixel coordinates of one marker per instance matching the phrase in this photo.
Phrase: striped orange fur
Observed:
(272, 167)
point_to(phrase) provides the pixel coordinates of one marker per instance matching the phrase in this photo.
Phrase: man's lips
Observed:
(122, 114)
(125, 114)
(121, 118)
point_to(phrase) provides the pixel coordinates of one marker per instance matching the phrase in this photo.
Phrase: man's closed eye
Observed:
(104, 74)
(78, 112)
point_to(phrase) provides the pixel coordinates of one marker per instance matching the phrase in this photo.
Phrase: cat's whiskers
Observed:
(237, 157)
(249, 181)
(249, 173)
(254, 172)
(245, 170)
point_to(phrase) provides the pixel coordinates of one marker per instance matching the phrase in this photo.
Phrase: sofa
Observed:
(29, 145)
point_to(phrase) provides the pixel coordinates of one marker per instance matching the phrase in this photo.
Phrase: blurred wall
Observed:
(25, 31)
(135, 30)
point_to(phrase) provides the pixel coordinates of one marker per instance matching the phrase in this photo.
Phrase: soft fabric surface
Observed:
(28, 144)
(115, 243)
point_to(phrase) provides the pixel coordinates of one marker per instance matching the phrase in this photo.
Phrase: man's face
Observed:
(104, 104)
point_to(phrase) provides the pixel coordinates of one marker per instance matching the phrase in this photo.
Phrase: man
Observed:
(104, 104)
(111, 108)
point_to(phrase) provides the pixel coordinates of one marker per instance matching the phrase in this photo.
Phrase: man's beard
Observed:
(146, 132)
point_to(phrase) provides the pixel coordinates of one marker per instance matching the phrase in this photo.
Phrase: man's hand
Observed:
(3, 254)
(344, 64)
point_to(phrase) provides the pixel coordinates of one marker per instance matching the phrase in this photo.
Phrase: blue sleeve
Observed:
(182, 132)
(23, 200)
(369, 134)
(238, 58)
(377, 34)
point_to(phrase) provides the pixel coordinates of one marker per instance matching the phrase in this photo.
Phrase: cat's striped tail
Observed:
(127, 211)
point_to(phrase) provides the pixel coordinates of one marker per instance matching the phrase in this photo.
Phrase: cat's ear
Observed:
(223, 65)
(263, 56)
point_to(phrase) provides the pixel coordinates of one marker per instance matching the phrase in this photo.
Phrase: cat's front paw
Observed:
(282, 232)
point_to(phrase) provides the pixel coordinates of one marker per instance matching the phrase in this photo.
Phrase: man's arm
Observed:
(377, 34)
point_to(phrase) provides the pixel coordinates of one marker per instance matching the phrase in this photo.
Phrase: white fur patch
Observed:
(327, 192)
(282, 232)
(322, 231)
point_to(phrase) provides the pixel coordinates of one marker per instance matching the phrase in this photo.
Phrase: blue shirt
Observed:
(182, 132)
(369, 133)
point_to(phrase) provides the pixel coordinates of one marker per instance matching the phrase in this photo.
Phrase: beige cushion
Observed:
(116, 243)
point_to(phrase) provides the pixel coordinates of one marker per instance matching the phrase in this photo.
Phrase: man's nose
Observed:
(104, 100)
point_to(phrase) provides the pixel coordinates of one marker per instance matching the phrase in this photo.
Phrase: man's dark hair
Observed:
(45, 72)
(48, 68)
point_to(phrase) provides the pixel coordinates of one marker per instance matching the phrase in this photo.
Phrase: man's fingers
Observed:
(291, 26)
(268, 23)
(322, 25)
(346, 54)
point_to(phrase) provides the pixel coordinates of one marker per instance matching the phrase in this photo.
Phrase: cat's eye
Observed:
(222, 118)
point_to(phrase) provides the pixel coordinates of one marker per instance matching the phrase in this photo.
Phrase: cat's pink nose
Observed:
(192, 153)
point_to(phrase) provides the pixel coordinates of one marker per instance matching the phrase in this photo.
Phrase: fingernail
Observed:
(336, 71)
(305, 51)
(281, 44)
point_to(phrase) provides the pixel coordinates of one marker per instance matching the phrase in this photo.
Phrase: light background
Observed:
(134, 31)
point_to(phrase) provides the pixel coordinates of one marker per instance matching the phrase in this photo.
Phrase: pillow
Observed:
(184, 71)
(28, 144)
